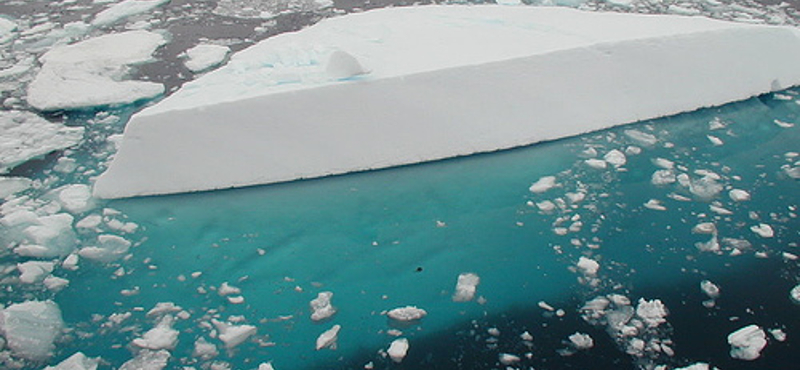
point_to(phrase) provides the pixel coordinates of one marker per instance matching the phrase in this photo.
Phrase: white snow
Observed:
(90, 73)
(31, 327)
(407, 313)
(233, 335)
(205, 56)
(78, 361)
(747, 342)
(328, 338)
(443, 81)
(466, 286)
(25, 136)
(398, 349)
(542, 185)
(321, 307)
(125, 9)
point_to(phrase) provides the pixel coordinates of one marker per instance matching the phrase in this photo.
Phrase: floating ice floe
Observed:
(205, 56)
(30, 328)
(204, 349)
(45, 236)
(542, 185)
(162, 336)
(108, 248)
(763, 230)
(321, 307)
(277, 105)
(581, 341)
(89, 73)
(147, 360)
(407, 313)
(697, 366)
(508, 359)
(466, 286)
(794, 294)
(13, 185)
(747, 342)
(34, 271)
(398, 349)
(25, 136)
(77, 361)
(739, 195)
(233, 335)
(328, 338)
(125, 9)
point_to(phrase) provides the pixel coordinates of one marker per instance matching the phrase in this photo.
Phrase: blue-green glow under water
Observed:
(398, 237)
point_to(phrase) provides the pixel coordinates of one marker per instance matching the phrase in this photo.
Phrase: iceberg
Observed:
(400, 86)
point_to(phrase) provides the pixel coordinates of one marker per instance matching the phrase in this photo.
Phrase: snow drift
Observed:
(406, 85)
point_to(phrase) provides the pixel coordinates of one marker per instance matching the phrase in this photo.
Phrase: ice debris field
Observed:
(660, 231)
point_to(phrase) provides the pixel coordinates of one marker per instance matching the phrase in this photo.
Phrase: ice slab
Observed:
(437, 82)
(125, 9)
(205, 56)
(90, 73)
(25, 136)
(747, 342)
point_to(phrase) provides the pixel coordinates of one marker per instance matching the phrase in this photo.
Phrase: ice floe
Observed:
(466, 286)
(203, 57)
(398, 349)
(119, 11)
(233, 335)
(328, 338)
(321, 307)
(552, 48)
(77, 361)
(407, 313)
(747, 342)
(89, 73)
(25, 136)
(30, 328)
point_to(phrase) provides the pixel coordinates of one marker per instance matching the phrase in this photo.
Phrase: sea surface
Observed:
(392, 238)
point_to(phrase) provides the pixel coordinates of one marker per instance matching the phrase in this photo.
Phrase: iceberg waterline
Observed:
(507, 77)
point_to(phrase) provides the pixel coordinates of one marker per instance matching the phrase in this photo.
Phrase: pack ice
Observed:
(398, 86)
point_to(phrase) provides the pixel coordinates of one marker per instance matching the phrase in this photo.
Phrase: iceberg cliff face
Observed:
(406, 85)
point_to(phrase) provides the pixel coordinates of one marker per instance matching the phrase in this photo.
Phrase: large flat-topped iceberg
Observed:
(405, 85)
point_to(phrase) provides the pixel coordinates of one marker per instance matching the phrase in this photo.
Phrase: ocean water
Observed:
(397, 237)
(391, 238)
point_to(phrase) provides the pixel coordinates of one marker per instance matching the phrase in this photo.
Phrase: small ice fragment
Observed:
(719, 210)
(705, 188)
(321, 306)
(466, 286)
(265, 366)
(343, 65)
(398, 349)
(652, 312)
(204, 349)
(778, 334)
(34, 271)
(705, 228)
(588, 266)
(76, 198)
(495, 332)
(739, 195)
(664, 163)
(147, 360)
(696, 366)
(642, 138)
(109, 248)
(90, 222)
(747, 342)
(78, 361)
(542, 185)
(227, 289)
(596, 163)
(663, 177)
(546, 206)
(581, 341)
(616, 158)
(783, 123)
(710, 289)
(712, 245)
(545, 306)
(237, 299)
(763, 230)
(526, 337)
(509, 359)
(655, 205)
(408, 313)
(794, 294)
(716, 124)
(328, 338)
(633, 150)
(205, 56)
(715, 140)
(233, 335)
(163, 336)
(54, 283)
(163, 308)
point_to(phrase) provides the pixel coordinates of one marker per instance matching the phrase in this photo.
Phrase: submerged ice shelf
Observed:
(400, 86)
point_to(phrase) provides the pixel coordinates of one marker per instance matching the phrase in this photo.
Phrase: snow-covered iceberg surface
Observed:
(406, 85)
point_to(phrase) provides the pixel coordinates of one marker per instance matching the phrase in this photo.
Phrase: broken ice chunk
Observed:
(13, 185)
(25, 136)
(321, 306)
(398, 349)
(204, 349)
(109, 248)
(508, 359)
(642, 138)
(715, 140)
(763, 230)
(205, 56)
(596, 163)
(542, 185)
(794, 294)
(233, 335)
(581, 341)
(147, 360)
(124, 9)
(710, 289)
(466, 286)
(163, 336)
(655, 205)
(747, 342)
(328, 338)
(75, 198)
(783, 124)
(34, 271)
(31, 327)
(78, 361)
(588, 266)
(615, 158)
(408, 313)
(663, 177)
(652, 312)
(739, 195)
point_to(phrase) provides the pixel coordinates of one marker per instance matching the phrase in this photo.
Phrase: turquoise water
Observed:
(397, 237)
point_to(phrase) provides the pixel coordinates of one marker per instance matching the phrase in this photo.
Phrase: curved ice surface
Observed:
(441, 82)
